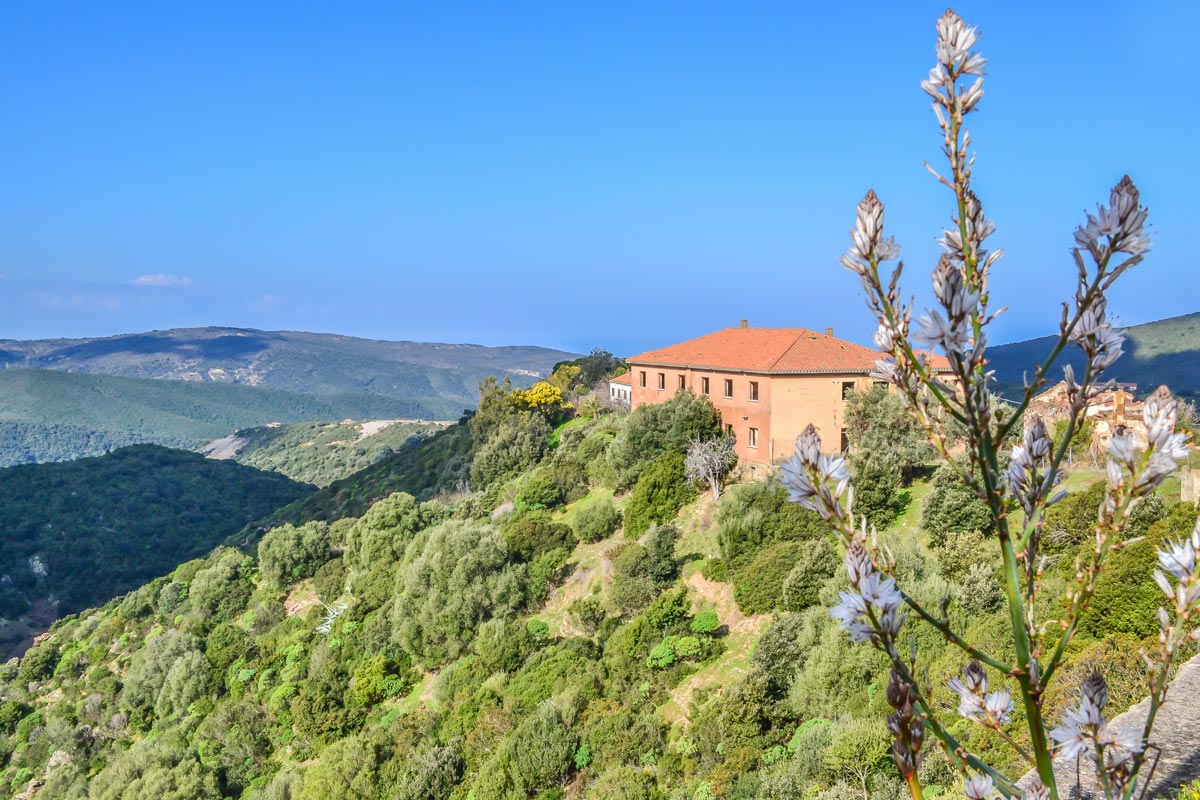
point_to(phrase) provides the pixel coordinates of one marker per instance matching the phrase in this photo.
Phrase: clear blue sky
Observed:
(563, 173)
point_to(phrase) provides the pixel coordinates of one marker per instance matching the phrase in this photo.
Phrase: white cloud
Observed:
(161, 280)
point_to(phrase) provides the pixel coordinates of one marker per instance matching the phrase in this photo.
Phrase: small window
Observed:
(754, 391)
(682, 381)
(728, 388)
(662, 381)
(643, 379)
(729, 428)
(847, 389)
(704, 385)
(845, 441)
(752, 438)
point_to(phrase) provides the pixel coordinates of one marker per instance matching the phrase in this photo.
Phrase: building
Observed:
(1109, 410)
(620, 390)
(768, 383)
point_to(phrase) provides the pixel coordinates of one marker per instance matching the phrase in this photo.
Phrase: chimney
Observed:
(745, 323)
(829, 331)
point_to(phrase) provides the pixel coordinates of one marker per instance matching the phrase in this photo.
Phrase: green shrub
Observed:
(661, 657)
(661, 491)
(531, 534)
(755, 516)
(706, 622)
(658, 428)
(586, 613)
(952, 509)
(288, 554)
(38, 663)
(816, 564)
(759, 587)
(597, 520)
(540, 490)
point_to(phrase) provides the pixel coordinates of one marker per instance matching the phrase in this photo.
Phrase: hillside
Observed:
(47, 415)
(1165, 351)
(584, 625)
(436, 381)
(76, 534)
(320, 452)
(424, 468)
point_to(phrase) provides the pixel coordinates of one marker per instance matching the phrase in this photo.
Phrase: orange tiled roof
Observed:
(626, 379)
(775, 350)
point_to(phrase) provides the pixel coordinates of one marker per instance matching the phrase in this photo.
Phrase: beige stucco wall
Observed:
(786, 405)
(798, 400)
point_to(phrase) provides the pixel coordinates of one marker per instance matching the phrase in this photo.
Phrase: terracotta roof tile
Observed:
(626, 379)
(783, 350)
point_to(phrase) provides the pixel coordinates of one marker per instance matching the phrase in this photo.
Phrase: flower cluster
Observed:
(976, 703)
(1085, 730)
(1024, 482)
(1119, 227)
(954, 60)
(870, 611)
(1166, 446)
(1096, 337)
(815, 480)
(1179, 559)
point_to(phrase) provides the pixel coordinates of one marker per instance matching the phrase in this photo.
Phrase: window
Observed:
(728, 388)
(752, 438)
(662, 381)
(682, 382)
(845, 441)
(847, 389)
(643, 379)
(704, 385)
(729, 428)
(754, 391)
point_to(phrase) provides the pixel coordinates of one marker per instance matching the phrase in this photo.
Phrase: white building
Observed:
(620, 389)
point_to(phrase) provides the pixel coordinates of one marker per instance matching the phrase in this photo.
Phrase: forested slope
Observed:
(584, 623)
(77, 534)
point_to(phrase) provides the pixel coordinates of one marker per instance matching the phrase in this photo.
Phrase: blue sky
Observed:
(569, 174)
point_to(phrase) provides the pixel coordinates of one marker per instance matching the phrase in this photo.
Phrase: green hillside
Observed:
(46, 415)
(76, 534)
(320, 452)
(583, 624)
(436, 381)
(1166, 351)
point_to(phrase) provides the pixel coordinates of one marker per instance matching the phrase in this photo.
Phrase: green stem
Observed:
(914, 786)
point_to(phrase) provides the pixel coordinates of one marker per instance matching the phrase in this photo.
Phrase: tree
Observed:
(881, 430)
(709, 461)
(859, 748)
(654, 429)
(659, 494)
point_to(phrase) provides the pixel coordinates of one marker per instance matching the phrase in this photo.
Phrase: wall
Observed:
(817, 399)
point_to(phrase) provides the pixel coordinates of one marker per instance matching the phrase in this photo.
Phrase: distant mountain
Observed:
(306, 363)
(1166, 351)
(68, 398)
(320, 452)
(80, 533)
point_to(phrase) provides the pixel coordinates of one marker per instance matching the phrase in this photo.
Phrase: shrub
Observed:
(706, 622)
(519, 441)
(533, 533)
(288, 554)
(756, 515)
(597, 520)
(660, 492)
(652, 430)
(817, 563)
(38, 663)
(759, 587)
(540, 490)
(952, 509)
(586, 613)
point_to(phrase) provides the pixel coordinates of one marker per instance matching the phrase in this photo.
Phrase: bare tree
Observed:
(709, 461)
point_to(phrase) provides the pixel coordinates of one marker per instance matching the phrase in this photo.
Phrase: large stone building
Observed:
(1113, 409)
(768, 383)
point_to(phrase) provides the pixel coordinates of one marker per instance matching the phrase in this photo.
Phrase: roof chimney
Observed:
(829, 331)
(745, 323)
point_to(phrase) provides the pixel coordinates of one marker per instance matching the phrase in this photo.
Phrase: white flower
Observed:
(851, 608)
(998, 706)
(1037, 791)
(884, 337)
(936, 331)
(955, 39)
(881, 592)
(1120, 447)
(978, 787)
(1070, 734)
(1127, 740)
(1115, 476)
(1179, 559)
